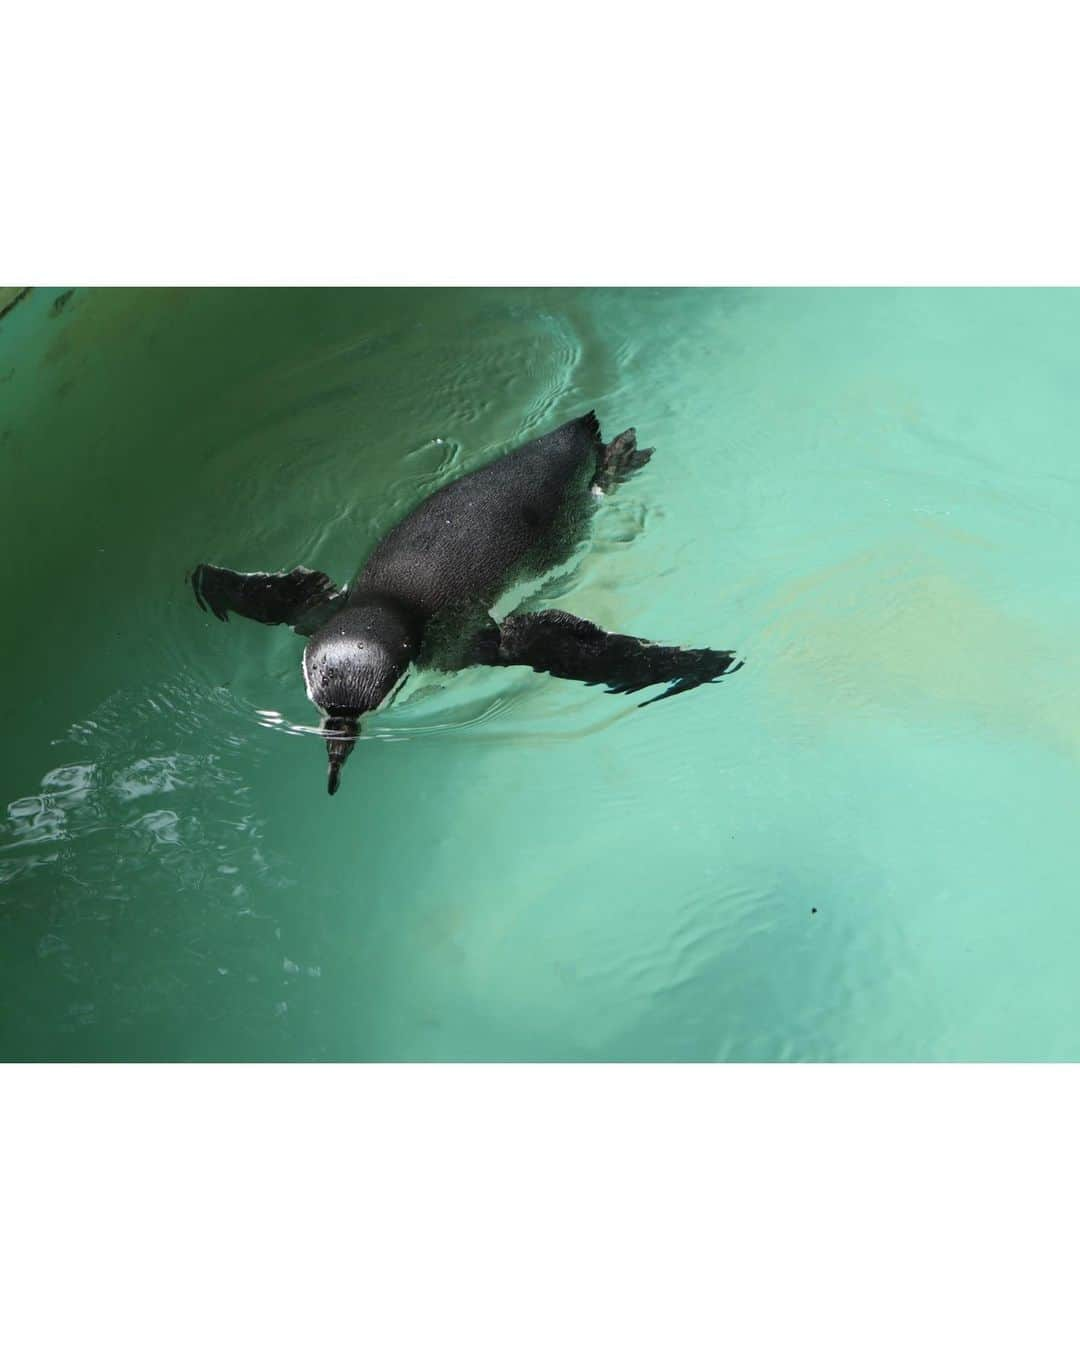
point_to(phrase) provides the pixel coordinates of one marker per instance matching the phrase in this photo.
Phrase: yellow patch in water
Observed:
(897, 631)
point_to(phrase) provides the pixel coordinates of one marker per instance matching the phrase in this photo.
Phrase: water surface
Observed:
(857, 847)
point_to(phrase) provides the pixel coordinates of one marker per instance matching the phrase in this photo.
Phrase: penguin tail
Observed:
(617, 461)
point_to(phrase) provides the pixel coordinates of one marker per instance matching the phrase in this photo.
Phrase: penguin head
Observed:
(352, 665)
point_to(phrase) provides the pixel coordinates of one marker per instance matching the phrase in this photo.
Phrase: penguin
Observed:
(424, 594)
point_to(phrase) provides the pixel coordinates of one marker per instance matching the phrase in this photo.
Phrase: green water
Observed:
(860, 846)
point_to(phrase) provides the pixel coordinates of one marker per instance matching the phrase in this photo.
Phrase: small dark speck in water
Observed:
(813, 911)
(61, 301)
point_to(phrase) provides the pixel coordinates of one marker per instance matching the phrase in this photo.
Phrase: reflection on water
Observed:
(860, 849)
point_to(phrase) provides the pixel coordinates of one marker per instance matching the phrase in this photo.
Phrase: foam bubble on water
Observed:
(159, 773)
(162, 826)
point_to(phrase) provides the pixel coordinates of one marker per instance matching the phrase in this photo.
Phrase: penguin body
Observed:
(515, 517)
(423, 595)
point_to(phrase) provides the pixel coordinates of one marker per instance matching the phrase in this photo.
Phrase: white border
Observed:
(531, 1207)
(579, 143)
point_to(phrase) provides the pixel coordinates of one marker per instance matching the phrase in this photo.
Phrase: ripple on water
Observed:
(327, 469)
(132, 870)
(305, 455)
(117, 790)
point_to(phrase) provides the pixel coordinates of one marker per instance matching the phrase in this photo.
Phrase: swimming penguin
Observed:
(424, 594)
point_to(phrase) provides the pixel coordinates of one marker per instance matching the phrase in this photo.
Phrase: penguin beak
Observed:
(341, 734)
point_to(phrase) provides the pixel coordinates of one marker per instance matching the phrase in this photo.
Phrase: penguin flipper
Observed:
(303, 599)
(570, 648)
